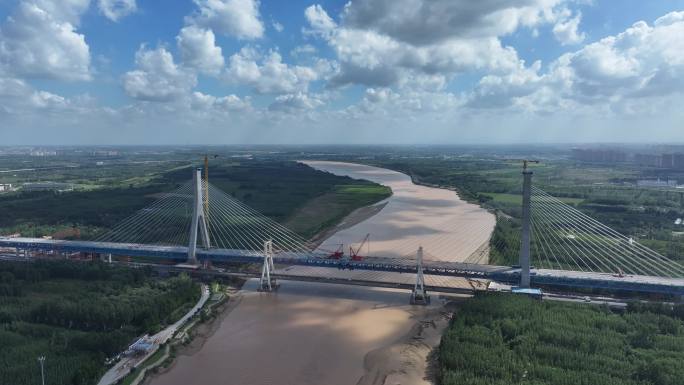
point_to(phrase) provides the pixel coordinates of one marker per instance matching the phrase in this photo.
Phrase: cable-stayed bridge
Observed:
(559, 246)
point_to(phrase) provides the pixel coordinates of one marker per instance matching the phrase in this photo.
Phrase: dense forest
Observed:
(504, 339)
(275, 188)
(79, 314)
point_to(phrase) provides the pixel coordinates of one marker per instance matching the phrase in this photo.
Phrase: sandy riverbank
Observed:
(408, 360)
(448, 228)
(411, 360)
(315, 333)
(293, 337)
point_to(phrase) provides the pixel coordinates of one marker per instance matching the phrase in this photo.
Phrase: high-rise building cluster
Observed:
(613, 155)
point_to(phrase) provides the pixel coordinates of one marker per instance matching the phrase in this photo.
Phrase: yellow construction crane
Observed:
(206, 181)
(526, 162)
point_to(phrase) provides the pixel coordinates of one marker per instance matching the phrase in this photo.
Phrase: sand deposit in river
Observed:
(306, 333)
(448, 228)
(321, 334)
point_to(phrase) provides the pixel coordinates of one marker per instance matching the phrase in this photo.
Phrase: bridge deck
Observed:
(556, 278)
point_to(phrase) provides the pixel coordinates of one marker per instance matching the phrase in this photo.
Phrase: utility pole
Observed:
(41, 359)
(524, 258)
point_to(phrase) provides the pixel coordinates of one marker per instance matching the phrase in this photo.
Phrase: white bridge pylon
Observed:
(265, 283)
(199, 218)
(419, 296)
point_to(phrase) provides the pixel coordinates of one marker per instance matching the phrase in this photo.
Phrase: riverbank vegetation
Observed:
(185, 337)
(605, 192)
(503, 339)
(276, 188)
(79, 314)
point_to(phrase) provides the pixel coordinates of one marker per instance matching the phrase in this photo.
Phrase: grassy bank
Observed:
(77, 315)
(330, 208)
(605, 192)
(286, 191)
(198, 325)
(498, 339)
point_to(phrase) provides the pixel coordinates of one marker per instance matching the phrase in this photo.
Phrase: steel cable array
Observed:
(567, 239)
(563, 237)
(231, 224)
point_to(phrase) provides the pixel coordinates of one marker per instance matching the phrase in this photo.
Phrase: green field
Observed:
(516, 199)
(279, 189)
(605, 192)
(330, 208)
(502, 339)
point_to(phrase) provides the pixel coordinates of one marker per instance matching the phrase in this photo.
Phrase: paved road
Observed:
(124, 366)
(594, 300)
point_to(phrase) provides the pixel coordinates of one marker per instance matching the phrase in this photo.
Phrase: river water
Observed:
(319, 334)
(448, 228)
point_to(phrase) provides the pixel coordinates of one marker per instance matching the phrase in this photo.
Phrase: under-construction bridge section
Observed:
(559, 246)
(504, 274)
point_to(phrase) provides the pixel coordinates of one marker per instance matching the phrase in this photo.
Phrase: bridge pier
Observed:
(266, 283)
(419, 295)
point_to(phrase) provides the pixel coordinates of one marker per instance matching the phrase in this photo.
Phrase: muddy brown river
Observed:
(319, 334)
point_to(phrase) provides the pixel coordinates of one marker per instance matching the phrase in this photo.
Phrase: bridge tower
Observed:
(266, 283)
(199, 218)
(419, 296)
(524, 257)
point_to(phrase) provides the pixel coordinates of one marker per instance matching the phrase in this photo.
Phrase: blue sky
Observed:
(394, 71)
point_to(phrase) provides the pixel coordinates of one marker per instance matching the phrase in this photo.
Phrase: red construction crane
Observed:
(337, 254)
(354, 254)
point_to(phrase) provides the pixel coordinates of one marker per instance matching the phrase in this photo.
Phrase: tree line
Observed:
(79, 314)
(503, 339)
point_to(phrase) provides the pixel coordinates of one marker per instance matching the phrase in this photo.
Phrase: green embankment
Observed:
(502, 339)
(330, 208)
(277, 189)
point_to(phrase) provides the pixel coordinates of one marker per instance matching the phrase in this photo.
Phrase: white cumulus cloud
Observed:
(117, 9)
(157, 77)
(423, 22)
(386, 42)
(238, 18)
(199, 50)
(268, 73)
(223, 103)
(566, 30)
(626, 73)
(36, 43)
(293, 103)
(69, 11)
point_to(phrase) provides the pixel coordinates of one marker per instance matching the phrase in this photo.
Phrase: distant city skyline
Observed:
(320, 72)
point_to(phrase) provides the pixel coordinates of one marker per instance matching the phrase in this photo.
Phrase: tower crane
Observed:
(338, 253)
(206, 180)
(354, 254)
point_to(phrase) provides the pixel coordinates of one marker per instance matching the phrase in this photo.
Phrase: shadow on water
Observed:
(330, 290)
